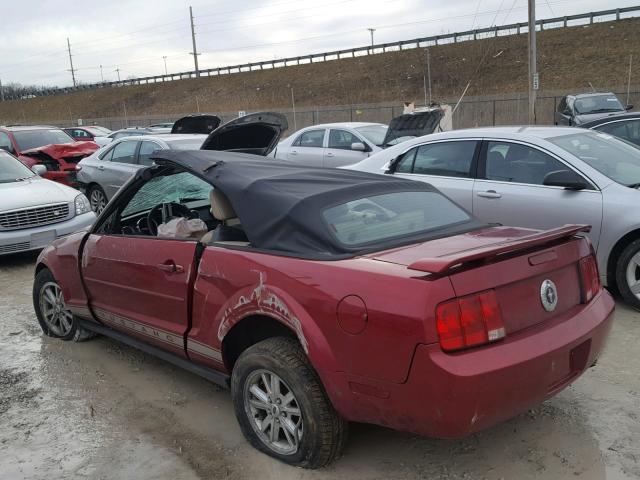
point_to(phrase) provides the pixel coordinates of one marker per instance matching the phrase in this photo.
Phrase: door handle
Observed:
(489, 194)
(170, 267)
(293, 152)
(329, 154)
(100, 167)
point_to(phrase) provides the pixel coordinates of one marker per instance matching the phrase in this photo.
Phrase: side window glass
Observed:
(124, 152)
(146, 149)
(342, 139)
(312, 138)
(513, 162)
(405, 163)
(106, 156)
(447, 159)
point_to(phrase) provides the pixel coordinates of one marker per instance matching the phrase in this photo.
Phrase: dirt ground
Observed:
(101, 410)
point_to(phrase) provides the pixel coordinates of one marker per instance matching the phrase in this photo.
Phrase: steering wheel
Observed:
(163, 212)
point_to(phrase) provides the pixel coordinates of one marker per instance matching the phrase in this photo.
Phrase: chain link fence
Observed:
(473, 112)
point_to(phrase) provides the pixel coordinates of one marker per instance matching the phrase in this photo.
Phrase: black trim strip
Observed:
(214, 376)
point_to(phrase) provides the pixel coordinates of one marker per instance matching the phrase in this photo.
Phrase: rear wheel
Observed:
(97, 198)
(282, 407)
(628, 274)
(55, 319)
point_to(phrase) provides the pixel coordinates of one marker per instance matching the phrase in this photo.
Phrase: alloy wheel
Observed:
(55, 313)
(97, 200)
(633, 275)
(273, 411)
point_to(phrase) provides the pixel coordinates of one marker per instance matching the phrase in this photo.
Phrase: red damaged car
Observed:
(49, 146)
(324, 296)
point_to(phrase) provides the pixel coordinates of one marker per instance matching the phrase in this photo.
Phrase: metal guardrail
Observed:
(557, 22)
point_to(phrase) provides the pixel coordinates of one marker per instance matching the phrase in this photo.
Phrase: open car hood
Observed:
(411, 125)
(200, 123)
(64, 150)
(256, 133)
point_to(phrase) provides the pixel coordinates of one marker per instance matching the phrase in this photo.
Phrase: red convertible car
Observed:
(325, 296)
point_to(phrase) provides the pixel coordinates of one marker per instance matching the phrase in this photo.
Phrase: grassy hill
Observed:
(568, 59)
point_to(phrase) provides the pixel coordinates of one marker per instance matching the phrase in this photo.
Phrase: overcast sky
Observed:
(135, 35)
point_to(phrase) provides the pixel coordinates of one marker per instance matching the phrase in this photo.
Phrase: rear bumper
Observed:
(452, 396)
(15, 241)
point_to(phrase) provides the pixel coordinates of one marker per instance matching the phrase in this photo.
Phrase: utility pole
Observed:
(1, 91)
(429, 73)
(371, 30)
(628, 79)
(101, 75)
(164, 57)
(293, 107)
(117, 70)
(534, 83)
(193, 38)
(73, 72)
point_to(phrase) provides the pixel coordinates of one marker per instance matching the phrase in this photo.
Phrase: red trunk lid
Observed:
(514, 262)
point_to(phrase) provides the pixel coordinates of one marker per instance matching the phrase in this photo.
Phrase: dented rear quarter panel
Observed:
(304, 295)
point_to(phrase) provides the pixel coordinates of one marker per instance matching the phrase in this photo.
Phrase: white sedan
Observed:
(332, 144)
(35, 211)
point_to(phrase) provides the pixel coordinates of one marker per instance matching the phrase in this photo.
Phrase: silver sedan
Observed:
(103, 173)
(537, 177)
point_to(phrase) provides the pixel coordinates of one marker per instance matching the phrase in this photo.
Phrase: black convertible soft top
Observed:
(280, 204)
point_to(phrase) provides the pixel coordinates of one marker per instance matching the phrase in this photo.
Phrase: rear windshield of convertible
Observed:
(393, 215)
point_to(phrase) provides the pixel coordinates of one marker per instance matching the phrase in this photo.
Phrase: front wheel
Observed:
(55, 319)
(628, 274)
(282, 407)
(97, 199)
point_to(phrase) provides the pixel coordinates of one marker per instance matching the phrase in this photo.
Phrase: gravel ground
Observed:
(101, 410)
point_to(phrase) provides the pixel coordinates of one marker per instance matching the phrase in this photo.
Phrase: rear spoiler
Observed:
(443, 265)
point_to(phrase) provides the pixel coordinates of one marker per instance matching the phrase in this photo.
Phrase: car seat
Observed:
(229, 229)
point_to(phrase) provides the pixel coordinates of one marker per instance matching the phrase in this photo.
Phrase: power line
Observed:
(164, 39)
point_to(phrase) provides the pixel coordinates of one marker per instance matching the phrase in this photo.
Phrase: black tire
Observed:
(622, 282)
(75, 333)
(97, 198)
(324, 431)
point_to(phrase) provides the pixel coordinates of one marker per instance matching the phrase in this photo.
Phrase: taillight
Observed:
(589, 278)
(469, 321)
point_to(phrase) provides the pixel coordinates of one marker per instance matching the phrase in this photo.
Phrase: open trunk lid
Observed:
(513, 262)
(256, 133)
(411, 125)
(200, 123)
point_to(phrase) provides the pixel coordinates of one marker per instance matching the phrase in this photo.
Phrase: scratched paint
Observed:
(262, 300)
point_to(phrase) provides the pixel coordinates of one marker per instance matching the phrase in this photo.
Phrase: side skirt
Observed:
(208, 373)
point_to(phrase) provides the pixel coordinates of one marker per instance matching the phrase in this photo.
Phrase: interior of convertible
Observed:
(178, 205)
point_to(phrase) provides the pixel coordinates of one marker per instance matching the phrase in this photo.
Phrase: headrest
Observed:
(221, 208)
